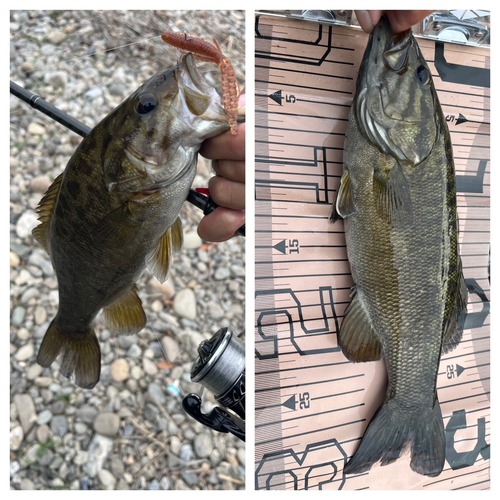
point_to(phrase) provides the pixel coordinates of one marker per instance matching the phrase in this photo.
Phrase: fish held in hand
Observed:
(398, 200)
(114, 211)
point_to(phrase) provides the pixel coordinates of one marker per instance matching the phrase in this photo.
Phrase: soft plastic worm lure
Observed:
(205, 51)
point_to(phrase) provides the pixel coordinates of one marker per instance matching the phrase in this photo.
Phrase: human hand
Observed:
(227, 188)
(400, 20)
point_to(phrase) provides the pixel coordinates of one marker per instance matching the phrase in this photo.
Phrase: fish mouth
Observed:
(144, 183)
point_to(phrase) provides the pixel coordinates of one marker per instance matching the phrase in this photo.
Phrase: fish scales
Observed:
(398, 200)
(115, 208)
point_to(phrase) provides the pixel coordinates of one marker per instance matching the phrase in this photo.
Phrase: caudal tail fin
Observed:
(81, 355)
(389, 433)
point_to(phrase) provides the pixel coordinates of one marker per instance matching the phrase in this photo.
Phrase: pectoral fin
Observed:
(344, 205)
(357, 339)
(125, 315)
(120, 226)
(45, 210)
(394, 197)
(170, 243)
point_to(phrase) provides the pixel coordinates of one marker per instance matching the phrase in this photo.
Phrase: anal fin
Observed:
(453, 329)
(357, 339)
(161, 258)
(125, 315)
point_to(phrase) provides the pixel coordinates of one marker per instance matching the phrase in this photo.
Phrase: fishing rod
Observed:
(197, 199)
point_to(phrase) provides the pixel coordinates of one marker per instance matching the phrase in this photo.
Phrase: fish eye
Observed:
(423, 75)
(147, 103)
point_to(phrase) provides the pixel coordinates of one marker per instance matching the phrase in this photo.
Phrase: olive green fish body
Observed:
(114, 211)
(398, 198)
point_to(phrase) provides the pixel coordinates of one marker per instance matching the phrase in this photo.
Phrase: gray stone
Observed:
(18, 315)
(25, 352)
(59, 425)
(26, 223)
(156, 393)
(16, 437)
(107, 424)
(107, 479)
(26, 411)
(185, 304)
(203, 445)
(45, 417)
(222, 273)
(86, 413)
(98, 452)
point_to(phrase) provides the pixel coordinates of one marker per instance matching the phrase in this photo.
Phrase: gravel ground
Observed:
(130, 431)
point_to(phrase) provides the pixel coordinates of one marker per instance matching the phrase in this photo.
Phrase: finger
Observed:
(367, 19)
(401, 20)
(232, 170)
(221, 224)
(227, 193)
(226, 145)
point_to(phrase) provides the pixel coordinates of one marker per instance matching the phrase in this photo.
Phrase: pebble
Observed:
(171, 347)
(185, 304)
(40, 184)
(35, 129)
(56, 37)
(120, 370)
(40, 315)
(25, 352)
(45, 417)
(16, 437)
(18, 315)
(59, 425)
(134, 351)
(27, 484)
(14, 259)
(156, 393)
(192, 240)
(107, 479)
(43, 433)
(107, 424)
(222, 273)
(149, 367)
(86, 413)
(26, 223)
(99, 449)
(203, 445)
(26, 411)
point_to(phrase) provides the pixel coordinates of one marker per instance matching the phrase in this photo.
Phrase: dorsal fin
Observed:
(45, 211)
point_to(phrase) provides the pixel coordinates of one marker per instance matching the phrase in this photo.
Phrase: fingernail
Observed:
(365, 20)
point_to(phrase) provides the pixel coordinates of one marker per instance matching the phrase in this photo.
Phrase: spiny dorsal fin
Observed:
(45, 211)
(125, 315)
(160, 259)
(358, 340)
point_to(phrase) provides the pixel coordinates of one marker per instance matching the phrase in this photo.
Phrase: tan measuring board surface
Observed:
(312, 405)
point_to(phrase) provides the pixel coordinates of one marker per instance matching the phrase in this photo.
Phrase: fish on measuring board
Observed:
(115, 211)
(398, 200)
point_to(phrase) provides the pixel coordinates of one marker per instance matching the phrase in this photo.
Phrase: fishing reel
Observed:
(220, 368)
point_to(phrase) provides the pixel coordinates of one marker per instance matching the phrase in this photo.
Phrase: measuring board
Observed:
(311, 404)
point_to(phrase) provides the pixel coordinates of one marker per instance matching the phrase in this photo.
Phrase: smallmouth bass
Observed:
(398, 200)
(114, 211)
